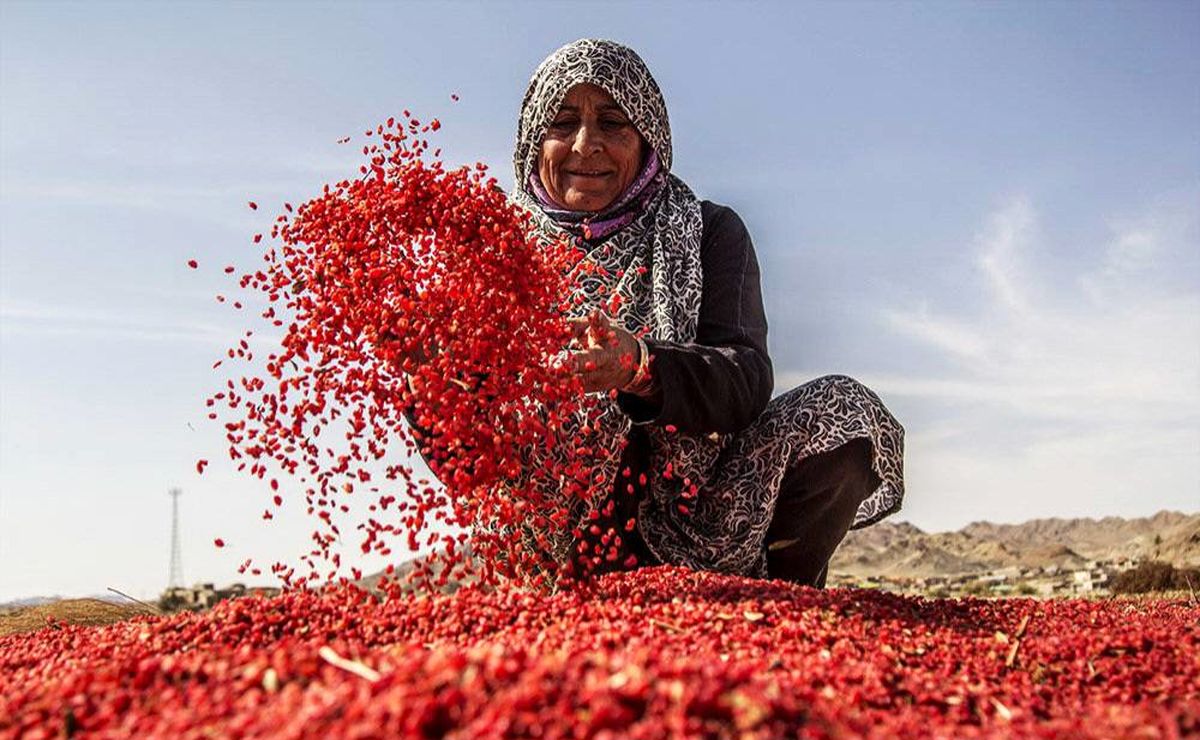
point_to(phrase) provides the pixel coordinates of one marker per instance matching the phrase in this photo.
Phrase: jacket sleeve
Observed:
(723, 380)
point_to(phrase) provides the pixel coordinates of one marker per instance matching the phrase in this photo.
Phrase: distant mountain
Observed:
(902, 550)
(905, 551)
(9, 606)
(28, 601)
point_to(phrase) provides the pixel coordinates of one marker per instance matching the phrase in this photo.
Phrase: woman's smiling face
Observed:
(591, 153)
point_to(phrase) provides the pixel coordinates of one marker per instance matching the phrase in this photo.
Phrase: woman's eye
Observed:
(563, 125)
(614, 123)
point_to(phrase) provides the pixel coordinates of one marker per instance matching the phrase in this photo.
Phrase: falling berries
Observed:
(219, 542)
(421, 314)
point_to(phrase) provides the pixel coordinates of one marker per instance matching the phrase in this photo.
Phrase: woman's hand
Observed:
(606, 355)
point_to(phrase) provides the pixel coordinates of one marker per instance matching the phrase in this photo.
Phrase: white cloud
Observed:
(1000, 249)
(957, 339)
(46, 320)
(1144, 252)
(1101, 347)
(1055, 396)
(136, 195)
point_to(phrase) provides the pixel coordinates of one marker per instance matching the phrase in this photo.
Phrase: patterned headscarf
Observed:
(666, 233)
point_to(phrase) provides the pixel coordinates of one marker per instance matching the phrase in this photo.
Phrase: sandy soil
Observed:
(88, 612)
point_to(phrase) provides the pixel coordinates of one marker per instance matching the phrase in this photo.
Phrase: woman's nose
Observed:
(586, 141)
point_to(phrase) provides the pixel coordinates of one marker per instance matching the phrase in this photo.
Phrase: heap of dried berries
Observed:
(414, 297)
(650, 653)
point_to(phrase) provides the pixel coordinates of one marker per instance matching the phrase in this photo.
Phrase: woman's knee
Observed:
(843, 383)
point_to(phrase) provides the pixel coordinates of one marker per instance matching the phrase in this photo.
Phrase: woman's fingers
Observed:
(593, 330)
(588, 360)
(601, 368)
(604, 355)
(580, 331)
(604, 331)
(592, 367)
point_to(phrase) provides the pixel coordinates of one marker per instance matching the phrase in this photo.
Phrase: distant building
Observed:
(1082, 581)
(205, 595)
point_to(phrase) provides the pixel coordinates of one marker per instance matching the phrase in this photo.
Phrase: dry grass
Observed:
(87, 612)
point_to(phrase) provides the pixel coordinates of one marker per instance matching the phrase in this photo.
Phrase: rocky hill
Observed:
(902, 550)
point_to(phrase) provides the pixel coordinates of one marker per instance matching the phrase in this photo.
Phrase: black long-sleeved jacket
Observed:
(722, 381)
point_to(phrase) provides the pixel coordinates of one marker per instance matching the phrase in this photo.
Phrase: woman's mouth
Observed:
(589, 173)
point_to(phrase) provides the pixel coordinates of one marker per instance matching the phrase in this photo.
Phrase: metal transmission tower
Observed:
(175, 578)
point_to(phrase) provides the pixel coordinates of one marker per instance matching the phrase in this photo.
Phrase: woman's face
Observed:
(591, 153)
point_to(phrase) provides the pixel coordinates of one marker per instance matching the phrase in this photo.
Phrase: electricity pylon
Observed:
(175, 577)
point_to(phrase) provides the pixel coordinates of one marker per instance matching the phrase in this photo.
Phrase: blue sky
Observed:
(990, 213)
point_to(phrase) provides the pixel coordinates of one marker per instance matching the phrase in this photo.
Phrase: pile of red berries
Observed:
(649, 653)
(413, 297)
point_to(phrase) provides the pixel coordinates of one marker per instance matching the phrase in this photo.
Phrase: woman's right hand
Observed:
(606, 355)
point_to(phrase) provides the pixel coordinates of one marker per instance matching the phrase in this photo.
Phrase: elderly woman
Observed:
(718, 475)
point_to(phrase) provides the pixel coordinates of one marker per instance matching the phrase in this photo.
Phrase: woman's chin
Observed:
(594, 202)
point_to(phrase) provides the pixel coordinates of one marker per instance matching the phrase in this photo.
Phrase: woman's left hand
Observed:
(607, 355)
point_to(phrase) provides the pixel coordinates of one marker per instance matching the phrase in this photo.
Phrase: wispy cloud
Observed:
(959, 340)
(1000, 248)
(47, 320)
(171, 197)
(1099, 345)
(1075, 394)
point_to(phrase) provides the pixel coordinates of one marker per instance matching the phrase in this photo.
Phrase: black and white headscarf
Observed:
(712, 496)
(666, 235)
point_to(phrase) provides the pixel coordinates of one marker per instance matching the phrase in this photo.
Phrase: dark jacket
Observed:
(723, 380)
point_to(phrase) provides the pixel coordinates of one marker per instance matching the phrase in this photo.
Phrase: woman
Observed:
(718, 475)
